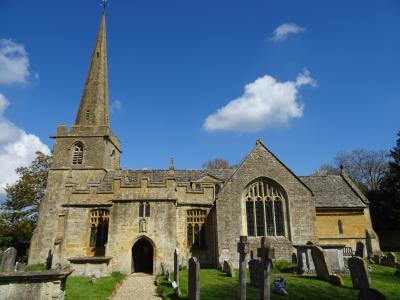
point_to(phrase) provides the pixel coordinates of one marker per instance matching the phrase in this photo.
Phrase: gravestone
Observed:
(391, 259)
(228, 268)
(254, 270)
(377, 259)
(266, 254)
(321, 267)
(359, 273)
(176, 270)
(167, 274)
(8, 260)
(359, 249)
(243, 249)
(304, 259)
(194, 279)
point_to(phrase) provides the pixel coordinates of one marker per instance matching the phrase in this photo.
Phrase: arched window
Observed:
(340, 227)
(196, 234)
(77, 157)
(265, 208)
(99, 230)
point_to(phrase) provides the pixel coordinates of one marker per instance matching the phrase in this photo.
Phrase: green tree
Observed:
(18, 214)
(385, 202)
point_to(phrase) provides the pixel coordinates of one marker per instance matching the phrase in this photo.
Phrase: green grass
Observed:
(36, 268)
(81, 287)
(216, 285)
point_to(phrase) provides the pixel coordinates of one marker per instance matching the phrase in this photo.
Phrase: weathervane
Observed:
(104, 4)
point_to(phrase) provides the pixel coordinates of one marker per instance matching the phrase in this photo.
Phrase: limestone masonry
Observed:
(99, 218)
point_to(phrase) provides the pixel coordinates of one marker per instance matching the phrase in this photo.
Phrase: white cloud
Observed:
(17, 148)
(265, 103)
(14, 63)
(115, 106)
(283, 30)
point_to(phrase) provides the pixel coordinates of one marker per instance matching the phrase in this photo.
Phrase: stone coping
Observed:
(34, 276)
(89, 259)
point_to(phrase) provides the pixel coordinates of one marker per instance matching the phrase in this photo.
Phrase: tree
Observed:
(366, 168)
(18, 214)
(385, 203)
(217, 163)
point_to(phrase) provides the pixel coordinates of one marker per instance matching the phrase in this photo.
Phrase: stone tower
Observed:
(82, 156)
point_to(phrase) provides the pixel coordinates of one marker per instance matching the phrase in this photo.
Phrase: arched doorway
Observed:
(142, 256)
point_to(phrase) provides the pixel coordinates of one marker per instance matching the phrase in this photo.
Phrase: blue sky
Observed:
(172, 64)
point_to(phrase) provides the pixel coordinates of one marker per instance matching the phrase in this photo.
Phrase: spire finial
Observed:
(104, 4)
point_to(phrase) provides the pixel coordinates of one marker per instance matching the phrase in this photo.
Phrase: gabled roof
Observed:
(333, 191)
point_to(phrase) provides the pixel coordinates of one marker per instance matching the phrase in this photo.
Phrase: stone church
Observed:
(99, 218)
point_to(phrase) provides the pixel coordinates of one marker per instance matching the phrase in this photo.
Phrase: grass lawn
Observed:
(216, 285)
(81, 288)
(36, 268)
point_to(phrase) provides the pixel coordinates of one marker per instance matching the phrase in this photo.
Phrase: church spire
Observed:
(93, 109)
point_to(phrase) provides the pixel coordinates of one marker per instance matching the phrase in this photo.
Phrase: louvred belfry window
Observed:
(77, 158)
(264, 208)
(196, 233)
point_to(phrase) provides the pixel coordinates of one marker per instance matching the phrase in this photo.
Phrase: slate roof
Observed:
(333, 191)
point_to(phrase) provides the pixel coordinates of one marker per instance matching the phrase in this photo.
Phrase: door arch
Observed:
(142, 256)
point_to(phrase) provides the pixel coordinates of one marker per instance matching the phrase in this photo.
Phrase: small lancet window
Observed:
(87, 115)
(340, 227)
(77, 158)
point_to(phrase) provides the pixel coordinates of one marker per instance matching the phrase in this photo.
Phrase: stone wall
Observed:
(231, 217)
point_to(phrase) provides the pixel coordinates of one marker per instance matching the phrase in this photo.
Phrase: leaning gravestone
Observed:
(176, 270)
(321, 267)
(254, 270)
(194, 279)
(377, 259)
(8, 260)
(228, 268)
(359, 273)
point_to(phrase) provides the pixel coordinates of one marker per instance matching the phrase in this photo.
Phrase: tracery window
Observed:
(77, 157)
(144, 209)
(196, 232)
(99, 227)
(264, 209)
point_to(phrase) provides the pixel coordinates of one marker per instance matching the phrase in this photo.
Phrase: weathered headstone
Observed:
(334, 257)
(254, 270)
(359, 273)
(194, 279)
(243, 249)
(266, 254)
(167, 274)
(391, 259)
(359, 249)
(304, 260)
(8, 260)
(377, 259)
(228, 268)
(321, 267)
(176, 270)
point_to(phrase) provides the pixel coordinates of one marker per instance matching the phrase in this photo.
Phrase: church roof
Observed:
(333, 191)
